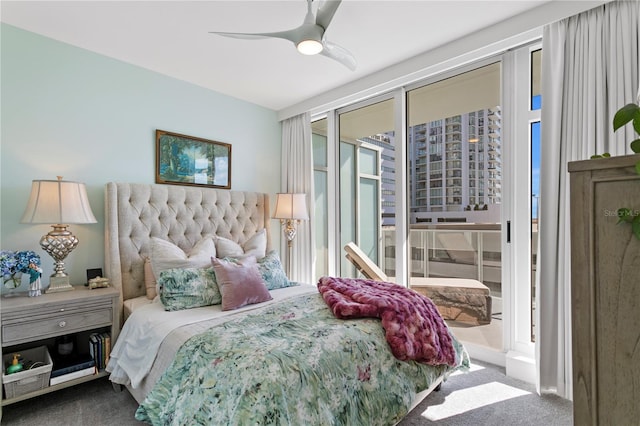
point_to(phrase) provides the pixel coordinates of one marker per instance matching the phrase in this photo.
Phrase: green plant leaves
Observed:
(635, 226)
(605, 155)
(629, 112)
(626, 215)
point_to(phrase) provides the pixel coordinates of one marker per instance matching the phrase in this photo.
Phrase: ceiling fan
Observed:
(309, 37)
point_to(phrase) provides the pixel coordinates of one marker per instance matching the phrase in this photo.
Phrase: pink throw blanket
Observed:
(413, 326)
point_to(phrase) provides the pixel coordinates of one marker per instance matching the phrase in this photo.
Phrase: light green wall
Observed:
(70, 112)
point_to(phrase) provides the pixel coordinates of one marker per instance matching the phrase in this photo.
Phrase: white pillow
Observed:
(255, 246)
(166, 255)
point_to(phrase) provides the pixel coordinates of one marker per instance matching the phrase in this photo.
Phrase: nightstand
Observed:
(36, 321)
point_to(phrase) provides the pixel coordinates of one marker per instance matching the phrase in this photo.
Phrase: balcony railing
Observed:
(470, 251)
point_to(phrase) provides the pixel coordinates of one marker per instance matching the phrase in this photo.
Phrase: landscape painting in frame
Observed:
(188, 160)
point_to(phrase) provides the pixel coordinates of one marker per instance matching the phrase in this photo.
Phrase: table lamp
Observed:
(290, 209)
(58, 203)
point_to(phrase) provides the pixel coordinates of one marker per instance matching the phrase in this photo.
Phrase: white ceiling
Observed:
(172, 38)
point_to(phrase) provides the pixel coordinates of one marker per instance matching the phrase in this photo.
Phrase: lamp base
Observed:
(58, 284)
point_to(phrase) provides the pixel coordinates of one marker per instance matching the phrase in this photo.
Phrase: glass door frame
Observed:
(516, 318)
(397, 109)
(494, 356)
(519, 116)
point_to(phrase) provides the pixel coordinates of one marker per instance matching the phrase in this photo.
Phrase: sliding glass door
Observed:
(455, 185)
(440, 179)
(366, 137)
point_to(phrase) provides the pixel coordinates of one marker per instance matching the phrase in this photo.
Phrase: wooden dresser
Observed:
(605, 292)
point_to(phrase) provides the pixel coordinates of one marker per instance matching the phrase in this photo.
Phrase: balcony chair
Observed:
(461, 300)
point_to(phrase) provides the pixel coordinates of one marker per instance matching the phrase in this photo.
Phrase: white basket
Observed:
(31, 380)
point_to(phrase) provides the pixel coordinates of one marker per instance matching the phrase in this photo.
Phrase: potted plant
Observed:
(629, 113)
(626, 114)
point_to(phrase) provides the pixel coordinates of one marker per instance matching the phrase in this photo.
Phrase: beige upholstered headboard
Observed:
(183, 215)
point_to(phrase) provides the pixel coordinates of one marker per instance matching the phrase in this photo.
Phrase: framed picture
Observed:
(187, 160)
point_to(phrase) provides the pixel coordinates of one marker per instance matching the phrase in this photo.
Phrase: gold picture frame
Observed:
(189, 160)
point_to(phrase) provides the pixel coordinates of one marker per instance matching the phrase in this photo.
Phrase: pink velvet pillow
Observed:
(240, 282)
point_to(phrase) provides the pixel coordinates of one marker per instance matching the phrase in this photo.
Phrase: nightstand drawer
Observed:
(54, 325)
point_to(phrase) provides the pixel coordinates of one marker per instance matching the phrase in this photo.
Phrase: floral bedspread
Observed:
(290, 364)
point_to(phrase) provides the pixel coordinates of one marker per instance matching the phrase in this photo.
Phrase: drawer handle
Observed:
(62, 323)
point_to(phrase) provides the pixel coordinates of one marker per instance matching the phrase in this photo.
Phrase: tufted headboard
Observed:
(183, 215)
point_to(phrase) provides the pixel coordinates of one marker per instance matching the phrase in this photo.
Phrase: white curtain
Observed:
(589, 70)
(297, 177)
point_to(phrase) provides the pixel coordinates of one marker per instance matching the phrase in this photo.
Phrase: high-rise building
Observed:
(454, 169)
(386, 141)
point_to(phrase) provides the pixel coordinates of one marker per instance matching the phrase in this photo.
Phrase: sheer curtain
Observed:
(297, 177)
(590, 69)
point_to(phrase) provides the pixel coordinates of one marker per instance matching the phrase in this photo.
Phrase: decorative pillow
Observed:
(255, 246)
(150, 280)
(272, 273)
(188, 288)
(166, 255)
(240, 282)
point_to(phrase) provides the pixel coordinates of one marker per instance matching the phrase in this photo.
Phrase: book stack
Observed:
(100, 348)
(71, 367)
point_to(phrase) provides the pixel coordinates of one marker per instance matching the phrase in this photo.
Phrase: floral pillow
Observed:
(255, 246)
(186, 288)
(240, 282)
(166, 255)
(272, 273)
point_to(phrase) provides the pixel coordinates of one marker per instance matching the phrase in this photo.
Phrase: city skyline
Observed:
(455, 169)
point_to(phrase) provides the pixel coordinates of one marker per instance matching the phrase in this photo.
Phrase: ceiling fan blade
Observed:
(240, 35)
(291, 35)
(326, 11)
(312, 29)
(339, 54)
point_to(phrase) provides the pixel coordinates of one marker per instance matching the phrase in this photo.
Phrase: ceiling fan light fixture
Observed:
(309, 47)
(309, 37)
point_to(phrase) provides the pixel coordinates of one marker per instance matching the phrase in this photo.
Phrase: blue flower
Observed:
(20, 261)
(7, 262)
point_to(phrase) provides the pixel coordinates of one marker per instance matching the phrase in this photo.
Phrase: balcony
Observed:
(467, 250)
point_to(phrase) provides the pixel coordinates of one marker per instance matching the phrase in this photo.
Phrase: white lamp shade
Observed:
(58, 202)
(291, 206)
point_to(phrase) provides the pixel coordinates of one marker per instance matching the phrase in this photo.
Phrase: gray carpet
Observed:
(482, 396)
(485, 396)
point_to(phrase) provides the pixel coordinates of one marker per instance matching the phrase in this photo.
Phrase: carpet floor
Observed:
(485, 396)
(481, 396)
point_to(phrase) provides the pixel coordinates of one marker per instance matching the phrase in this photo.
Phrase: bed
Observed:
(281, 358)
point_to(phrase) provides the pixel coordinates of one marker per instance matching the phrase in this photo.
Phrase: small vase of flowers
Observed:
(15, 263)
